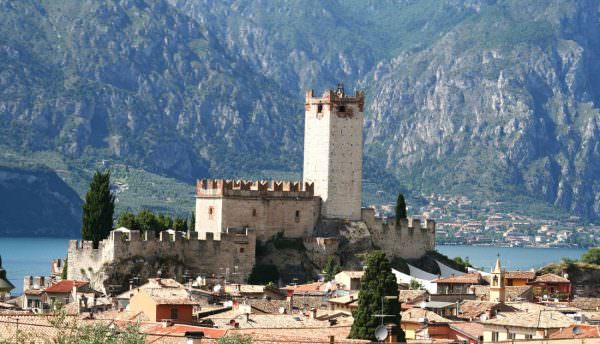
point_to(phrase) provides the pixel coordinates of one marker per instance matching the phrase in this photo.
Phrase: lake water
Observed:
(512, 258)
(33, 256)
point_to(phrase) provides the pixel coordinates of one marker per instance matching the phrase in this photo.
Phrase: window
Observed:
(341, 108)
(512, 336)
(494, 336)
(528, 336)
(241, 250)
(319, 108)
(174, 313)
(211, 211)
(253, 212)
(297, 218)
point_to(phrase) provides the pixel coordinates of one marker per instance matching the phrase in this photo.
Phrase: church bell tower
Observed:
(333, 151)
(497, 287)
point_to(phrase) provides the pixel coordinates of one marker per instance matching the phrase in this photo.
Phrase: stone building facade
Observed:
(234, 252)
(333, 151)
(268, 207)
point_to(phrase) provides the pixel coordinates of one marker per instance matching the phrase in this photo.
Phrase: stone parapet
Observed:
(261, 188)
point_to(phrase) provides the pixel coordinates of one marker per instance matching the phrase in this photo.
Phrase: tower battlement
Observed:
(273, 188)
(334, 99)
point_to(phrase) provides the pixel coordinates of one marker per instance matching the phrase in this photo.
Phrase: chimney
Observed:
(313, 313)
(290, 300)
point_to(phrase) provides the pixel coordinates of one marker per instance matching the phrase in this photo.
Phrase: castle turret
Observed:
(497, 288)
(333, 149)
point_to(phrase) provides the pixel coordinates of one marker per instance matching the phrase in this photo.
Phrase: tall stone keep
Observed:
(333, 151)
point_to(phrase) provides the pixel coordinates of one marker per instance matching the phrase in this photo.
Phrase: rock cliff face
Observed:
(493, 98)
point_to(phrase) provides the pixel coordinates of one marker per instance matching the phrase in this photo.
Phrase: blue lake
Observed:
(33, 256)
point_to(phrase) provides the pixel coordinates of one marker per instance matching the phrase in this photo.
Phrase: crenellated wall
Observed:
(234, 251)
(268, 207)
(407, 239)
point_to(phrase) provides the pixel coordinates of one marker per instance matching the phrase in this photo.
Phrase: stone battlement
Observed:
(260, 188)
(407, 238)
(235, 248)
(337, 97)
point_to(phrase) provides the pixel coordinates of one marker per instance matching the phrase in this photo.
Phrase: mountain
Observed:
(496, 99)
(37, 202)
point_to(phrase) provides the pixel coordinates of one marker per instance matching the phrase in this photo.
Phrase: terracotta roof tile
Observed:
(550, 278)
(470, 278)
(65, 286)
(584, 331)
(529, 275)
(472, 329)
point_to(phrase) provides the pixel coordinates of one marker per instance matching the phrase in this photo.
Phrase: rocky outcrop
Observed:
(37, 202)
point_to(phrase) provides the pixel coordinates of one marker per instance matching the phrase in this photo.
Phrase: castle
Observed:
(331, 190)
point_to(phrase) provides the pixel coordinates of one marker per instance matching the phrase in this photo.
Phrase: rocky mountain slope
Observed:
(35, 201)
(491, 98)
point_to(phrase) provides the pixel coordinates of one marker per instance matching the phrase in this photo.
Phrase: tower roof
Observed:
(5, 285)
(498, 267)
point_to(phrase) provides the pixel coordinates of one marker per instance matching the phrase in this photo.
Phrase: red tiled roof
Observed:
(65, 286)
(529, 275)
(470, 278)
(180, 329)
(550, 278)
(305, 288)
(471, 329)
(585, 331)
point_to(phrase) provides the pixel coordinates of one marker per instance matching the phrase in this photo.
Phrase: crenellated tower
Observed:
(333, 151)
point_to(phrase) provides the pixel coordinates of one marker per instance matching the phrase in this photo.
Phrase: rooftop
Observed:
(416, 315)
(539, 320)
(470, 278)
(528, 275)
(65, 286)
(550, 278)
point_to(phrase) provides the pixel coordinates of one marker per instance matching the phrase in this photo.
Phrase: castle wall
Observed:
(408, 239)
(268, 207)
(234, 252)
(333, 149)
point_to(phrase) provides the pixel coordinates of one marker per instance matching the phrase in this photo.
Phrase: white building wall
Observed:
(206, 222)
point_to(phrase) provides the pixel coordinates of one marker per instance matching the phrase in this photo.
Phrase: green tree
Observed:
(263, 274)
(192, 224)
(63, 274)
(591, 256)
(128, 220)
(415, 285)
(378, 283)
(165, 222)
(147, 221)
(98, 209)
(180, 224)
(331, 269)
(401, 207)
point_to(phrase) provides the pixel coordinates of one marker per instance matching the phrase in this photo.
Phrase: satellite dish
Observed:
(381, 332)
(576, 330)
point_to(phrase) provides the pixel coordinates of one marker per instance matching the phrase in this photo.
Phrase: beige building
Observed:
(333, 151)
(524, 325)
(349, 280)
(268, 207)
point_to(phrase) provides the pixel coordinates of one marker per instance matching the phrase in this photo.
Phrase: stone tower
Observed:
(333, 151)
(497, 288)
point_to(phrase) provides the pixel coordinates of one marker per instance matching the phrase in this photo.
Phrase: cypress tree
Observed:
(98, 209)
(192, 225)
(401, 207)
(377, 282)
